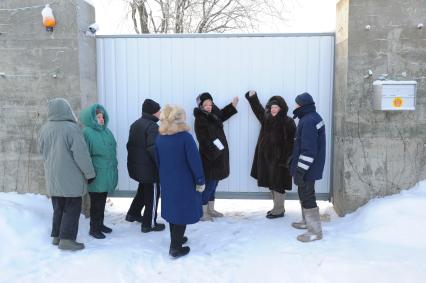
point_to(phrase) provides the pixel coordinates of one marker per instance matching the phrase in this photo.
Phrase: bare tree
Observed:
(199, 16)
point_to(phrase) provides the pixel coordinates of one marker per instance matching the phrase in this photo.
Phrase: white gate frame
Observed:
(249, 195)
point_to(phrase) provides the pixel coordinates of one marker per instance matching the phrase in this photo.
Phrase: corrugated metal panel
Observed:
(176, 69)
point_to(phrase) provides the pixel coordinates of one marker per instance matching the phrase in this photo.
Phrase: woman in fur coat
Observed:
(213, 145)
(273, 150)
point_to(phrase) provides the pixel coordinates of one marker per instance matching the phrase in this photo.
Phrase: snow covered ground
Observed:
(384, 241)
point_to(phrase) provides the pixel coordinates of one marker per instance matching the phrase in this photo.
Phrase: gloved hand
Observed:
(200, 188)
(250, 94)
(298, 178)
(89, 181)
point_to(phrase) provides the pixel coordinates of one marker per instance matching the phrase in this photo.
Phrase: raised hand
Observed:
(235, 101)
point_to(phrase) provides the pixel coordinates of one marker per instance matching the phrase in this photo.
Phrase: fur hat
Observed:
(277, 100)
(151, 107)
(304, 99)
(172, 120)
(203, 97)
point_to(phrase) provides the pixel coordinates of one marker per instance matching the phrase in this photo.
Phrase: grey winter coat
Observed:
(67, 162)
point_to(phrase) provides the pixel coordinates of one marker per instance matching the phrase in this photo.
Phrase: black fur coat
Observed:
(274, 145)
(209, 127)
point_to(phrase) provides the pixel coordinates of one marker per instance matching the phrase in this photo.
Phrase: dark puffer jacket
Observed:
(309, 148)
(141, 156)
(209, 127)
(274, 145)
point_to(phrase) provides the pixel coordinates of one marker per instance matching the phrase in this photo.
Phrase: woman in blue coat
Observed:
(181, 177)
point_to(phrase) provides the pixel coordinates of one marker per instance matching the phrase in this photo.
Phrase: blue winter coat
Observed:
(309, 145)
(180, 170)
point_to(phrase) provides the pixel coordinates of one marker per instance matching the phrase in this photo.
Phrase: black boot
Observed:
(97, 234)
(157, 227)
(176, 253)
(96, 215)
(132, 218)
(105, 229)
(184, 240)
(273, 216)
(135, 210)
(177, 239)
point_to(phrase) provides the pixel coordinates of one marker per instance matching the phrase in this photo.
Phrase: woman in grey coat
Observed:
(67, 168)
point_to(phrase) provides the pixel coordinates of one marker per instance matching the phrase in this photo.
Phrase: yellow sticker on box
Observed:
(397, 102)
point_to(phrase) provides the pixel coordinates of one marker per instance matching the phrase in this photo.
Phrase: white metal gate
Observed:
(176, 68)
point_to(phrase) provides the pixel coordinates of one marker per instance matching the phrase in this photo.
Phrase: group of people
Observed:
(165, 158)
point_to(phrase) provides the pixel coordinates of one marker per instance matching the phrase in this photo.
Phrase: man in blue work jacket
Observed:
(308, 164)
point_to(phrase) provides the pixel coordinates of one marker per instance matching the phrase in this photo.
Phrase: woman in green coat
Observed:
(102, 148)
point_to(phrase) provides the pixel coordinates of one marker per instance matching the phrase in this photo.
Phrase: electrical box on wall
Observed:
(394, 95)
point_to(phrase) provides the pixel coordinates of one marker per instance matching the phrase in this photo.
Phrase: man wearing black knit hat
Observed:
(142, 167)
(308, 164)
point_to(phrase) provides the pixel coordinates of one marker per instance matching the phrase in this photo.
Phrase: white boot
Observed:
(278, 210)
(313, 222)
(206, 216)
(301, 224)
(274, 202)
(212, 211)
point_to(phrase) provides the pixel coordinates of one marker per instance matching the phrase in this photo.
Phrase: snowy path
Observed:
(385, 241)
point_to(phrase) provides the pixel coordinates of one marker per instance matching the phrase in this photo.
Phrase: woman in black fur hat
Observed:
(273, 150)
(213, 147)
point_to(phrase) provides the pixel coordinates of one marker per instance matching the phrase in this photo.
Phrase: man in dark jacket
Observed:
(308, 164)
(142, 167)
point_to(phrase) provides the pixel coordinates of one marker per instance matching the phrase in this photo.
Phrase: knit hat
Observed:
(203, 97)
(149, 106)
(304, 99)
(273, 102)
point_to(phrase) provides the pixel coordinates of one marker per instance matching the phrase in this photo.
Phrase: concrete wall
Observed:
(37, 66)
(377, 153)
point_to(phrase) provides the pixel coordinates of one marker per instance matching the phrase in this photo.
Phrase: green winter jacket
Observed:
(67, 163)
(102, 148)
